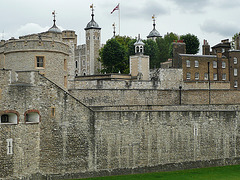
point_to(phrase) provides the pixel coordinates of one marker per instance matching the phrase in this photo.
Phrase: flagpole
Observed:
(119, 16)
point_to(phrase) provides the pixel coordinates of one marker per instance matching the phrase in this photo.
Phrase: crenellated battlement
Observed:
(21, 45)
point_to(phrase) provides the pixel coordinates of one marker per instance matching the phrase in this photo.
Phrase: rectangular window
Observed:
(223, 50)
(214, 64)
(205, 76)
(215, 77)
(187, 63)
(196, 76)
(223, 64)
(235, 60)
(235, 84)
(188, 76)
(40, 62)
(65, 64)
(235, 72)
(196, 64)
(9, 146)
(224, 77)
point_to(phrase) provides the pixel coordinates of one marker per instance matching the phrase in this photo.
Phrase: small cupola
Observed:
(139, 46)
(54, 28)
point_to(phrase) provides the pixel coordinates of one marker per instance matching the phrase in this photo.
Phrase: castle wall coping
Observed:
(35, 50)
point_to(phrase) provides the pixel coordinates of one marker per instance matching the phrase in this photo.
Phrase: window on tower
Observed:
(40, 62)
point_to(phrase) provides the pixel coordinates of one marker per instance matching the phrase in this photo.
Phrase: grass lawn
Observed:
(218, 173)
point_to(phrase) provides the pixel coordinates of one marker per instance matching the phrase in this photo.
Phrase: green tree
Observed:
(151, 49)
(113, 57)
(165, 46)
(192, 43)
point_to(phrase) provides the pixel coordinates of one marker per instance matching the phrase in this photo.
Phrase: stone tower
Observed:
(93, 44)
(154, 34)
(139, 63)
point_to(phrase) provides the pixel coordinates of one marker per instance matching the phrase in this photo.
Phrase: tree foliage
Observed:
(192, 43)
(165, 46)
(151, 49)
(113, 57)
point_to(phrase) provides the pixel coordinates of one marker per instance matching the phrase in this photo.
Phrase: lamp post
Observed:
(180, 95)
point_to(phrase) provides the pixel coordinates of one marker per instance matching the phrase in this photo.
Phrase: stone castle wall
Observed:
(59, 143)
(77, 142)
(118, 97)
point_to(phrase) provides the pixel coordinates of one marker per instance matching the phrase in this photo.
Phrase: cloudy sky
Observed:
(213, 20)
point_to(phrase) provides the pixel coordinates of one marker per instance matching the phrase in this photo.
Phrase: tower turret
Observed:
(93, 44)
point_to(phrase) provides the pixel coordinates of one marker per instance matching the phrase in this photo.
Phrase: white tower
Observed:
(93, 44)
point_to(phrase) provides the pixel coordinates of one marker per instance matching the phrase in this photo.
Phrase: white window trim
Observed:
(188, 63)
(215, 77)
(224, 77)
(235, 60)
(205, 77)
(188, 77)
(223, 64)
(196, 76)
(235, 84)
(196, 63)
(214, 64)
(235, 72)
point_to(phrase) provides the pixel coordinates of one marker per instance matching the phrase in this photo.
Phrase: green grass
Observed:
(218, 173)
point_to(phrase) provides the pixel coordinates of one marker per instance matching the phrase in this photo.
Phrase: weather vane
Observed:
(54, 16)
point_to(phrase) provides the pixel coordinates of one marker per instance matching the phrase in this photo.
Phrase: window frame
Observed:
(188, 76)
(214, 64)
(224, 76)
(30, 112)
(37, 63)
(196, 76)
(196, 64)
(188, 63)
(235, 84)
(235, 72)
(206, 76)
(13, 117)
(223, 65)
(235, 60)
(215, 77)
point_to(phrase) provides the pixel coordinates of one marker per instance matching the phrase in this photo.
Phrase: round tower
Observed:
(154, 34)
(93, 44)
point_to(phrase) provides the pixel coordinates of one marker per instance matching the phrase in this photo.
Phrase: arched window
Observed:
(32, 116)
(9, 117)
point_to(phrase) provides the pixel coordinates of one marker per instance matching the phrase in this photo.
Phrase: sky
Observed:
(212, 20)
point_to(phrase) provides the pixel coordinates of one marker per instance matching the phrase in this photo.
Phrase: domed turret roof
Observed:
(92, 24)
(154, 32)
(54, 28)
